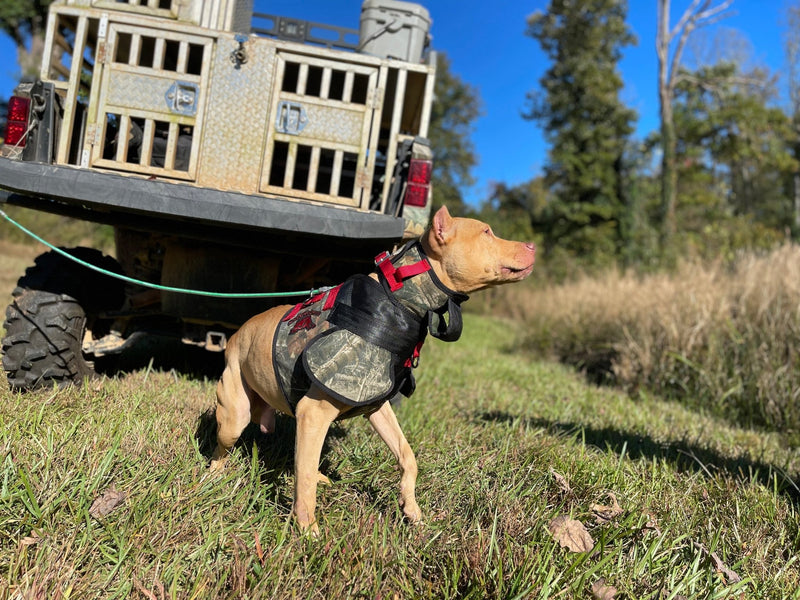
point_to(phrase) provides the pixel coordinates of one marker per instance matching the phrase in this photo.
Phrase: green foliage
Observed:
(22, 18)
(584, 121)
(456, 106)
(734, 154)
(58, 230)
(514, 212)
(24, 22)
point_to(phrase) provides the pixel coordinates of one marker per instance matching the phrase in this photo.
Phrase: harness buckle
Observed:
(383, 256)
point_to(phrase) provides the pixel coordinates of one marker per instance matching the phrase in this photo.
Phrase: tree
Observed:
(732, 152)
(24, 22)
(792, 48)
(515, 212)
(584, 121)
(455, 108)
(698, 13)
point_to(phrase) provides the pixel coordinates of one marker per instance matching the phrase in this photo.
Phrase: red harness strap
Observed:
(395, 275)
(315, 298)
(413, 360)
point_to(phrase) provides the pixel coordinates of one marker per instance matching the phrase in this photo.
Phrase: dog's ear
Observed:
(441, 225)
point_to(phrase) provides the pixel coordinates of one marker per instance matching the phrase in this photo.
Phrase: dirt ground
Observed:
(14, 259)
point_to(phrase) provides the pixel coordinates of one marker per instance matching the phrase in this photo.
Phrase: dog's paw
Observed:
(322, 480)
(311, 529)
(216, 465)
(412, 512)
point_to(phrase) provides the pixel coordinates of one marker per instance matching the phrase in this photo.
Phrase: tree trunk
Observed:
(669, 175)
(30, 60)
(698, 13)
(795, 230)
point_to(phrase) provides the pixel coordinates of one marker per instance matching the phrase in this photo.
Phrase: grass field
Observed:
(721, 336)
(105, 493)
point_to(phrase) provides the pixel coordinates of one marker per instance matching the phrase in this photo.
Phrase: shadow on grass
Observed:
(275, 450)
(163, 354)
(685, 455)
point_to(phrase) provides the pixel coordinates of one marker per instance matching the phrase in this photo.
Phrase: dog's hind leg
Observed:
(233, 412)
(315, 412)
(384, 422)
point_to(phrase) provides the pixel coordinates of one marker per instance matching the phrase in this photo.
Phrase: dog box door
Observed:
(151, 94)
(322, 130)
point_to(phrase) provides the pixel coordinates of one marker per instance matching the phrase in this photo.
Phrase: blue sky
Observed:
(488, 49)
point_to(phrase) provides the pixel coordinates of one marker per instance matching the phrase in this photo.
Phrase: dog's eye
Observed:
(488, 231)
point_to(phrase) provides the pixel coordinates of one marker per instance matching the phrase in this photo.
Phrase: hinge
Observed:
(102, 28)
(101, 52)
(362, 177)
(91, 134)
(102, 32)
(375, 99)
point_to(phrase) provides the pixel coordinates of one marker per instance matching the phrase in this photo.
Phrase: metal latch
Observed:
(292, 118)
(181, 98)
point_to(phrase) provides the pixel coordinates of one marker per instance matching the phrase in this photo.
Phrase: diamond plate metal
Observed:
(328, 124)
(142, 91)
(236, 115)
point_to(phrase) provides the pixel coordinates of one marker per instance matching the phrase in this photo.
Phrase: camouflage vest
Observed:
(360, 340)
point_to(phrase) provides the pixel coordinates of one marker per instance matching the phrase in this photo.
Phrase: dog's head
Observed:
(467, 256)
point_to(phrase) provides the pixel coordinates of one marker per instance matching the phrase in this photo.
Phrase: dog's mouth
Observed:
(517, 272)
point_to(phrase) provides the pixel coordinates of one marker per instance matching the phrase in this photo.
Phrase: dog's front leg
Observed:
(385, 424)
(315, 412)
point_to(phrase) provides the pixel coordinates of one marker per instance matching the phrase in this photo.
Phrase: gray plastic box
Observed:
(394, 29)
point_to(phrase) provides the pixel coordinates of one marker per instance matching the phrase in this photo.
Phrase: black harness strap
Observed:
(368, 312)
(447, 330)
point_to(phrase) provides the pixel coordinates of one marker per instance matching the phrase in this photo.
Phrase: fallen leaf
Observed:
(570, 534)
(106, 503)
(719, 566)
(652, 524)
(603, 514)
(259, 549)
(601, 591)
(561, 482)
(144, 591)
(30, 540)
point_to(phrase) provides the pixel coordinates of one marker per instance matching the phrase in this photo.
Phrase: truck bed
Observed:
(203, 213)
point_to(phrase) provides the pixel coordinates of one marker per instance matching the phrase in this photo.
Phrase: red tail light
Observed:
(17, 123)
(419, 171)
(419, 180)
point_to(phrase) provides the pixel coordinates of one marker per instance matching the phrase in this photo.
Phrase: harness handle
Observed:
(395, 275)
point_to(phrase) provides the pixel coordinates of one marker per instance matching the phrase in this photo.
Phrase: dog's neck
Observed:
(427, 296)
(430, 248)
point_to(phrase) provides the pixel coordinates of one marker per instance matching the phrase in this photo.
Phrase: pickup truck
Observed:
(234, 153)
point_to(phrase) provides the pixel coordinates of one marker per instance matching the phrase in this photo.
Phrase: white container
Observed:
(394, 29)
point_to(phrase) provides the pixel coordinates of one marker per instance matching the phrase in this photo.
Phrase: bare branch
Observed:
(687, 15)
(676, 58)
(708, 14)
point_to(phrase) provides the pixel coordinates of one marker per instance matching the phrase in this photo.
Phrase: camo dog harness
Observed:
(360, 341)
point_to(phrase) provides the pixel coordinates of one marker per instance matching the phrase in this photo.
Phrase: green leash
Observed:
(155, 285)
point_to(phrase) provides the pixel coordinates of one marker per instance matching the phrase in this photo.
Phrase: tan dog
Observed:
(463, 254)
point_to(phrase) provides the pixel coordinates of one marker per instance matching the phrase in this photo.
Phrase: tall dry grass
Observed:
(721, 337)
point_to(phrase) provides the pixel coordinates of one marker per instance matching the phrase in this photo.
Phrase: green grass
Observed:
(490, 427)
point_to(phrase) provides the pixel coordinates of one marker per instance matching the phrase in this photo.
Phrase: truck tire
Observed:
(44, 333)
(46, 321)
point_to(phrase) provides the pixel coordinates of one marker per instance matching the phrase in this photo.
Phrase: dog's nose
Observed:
(530, 246)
